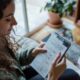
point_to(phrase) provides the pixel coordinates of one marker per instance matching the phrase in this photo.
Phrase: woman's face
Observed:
(8, 20)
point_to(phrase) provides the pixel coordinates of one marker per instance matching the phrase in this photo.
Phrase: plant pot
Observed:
(54, 19)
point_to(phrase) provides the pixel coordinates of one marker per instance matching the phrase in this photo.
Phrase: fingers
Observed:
(41, 45)
(41, 50)
(57, 59)
(63, 61)
(61, 65)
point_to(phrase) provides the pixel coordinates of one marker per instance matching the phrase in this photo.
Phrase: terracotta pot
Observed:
(54, 18)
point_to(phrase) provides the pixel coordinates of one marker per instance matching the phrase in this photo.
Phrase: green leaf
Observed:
(60, 6)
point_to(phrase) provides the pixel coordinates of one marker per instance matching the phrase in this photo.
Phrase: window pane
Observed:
(35, 17)
(21, 27)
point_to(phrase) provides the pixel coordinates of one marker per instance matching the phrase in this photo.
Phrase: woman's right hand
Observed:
(57, 68)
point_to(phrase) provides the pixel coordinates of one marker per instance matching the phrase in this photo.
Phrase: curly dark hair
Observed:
(3, 5)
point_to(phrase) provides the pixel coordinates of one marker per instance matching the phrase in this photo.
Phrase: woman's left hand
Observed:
(39, 49)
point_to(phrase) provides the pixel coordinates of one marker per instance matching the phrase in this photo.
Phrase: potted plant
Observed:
(57, 8)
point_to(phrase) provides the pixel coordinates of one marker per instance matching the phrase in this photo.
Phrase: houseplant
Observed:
(57, 8)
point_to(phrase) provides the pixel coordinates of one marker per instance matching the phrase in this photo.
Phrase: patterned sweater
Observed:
(11, 63)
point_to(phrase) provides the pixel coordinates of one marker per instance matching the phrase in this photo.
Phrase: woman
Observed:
(10, 64)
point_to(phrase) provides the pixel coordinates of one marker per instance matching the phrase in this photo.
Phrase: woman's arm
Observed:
(57, 68)
(29, 51)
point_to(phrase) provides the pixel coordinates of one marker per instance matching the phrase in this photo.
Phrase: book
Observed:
(54, 44)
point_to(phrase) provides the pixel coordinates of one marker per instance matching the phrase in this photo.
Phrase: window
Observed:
(21, 18)
(35, 17)
(28, 15)
(20, 15)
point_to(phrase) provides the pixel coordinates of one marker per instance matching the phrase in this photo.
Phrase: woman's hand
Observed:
(39, 49)
(57, 68)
